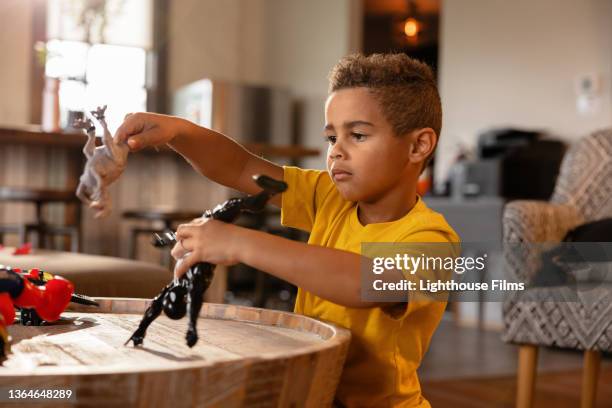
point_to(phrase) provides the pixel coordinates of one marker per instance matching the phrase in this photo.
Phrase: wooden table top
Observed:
(245, 356)
(90, 340)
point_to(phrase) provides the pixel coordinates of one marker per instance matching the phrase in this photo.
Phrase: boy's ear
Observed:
(423, 144)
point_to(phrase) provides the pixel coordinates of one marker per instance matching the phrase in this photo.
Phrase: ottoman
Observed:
(93, 275)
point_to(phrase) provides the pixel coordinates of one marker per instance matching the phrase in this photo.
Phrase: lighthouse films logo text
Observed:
(486, 271)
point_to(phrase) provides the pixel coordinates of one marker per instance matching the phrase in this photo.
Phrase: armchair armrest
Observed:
(537, 221)
(527, 224)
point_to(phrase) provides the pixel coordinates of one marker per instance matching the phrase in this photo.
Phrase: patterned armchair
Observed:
(583, 193)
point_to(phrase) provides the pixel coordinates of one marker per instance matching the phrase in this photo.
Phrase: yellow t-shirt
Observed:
(385, 350)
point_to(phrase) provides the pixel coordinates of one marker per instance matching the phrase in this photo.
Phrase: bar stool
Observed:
(169, 219)
(42, 231)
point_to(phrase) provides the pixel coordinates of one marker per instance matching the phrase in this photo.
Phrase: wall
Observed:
(268, 42)
(305, 40)
(217, 39)
(516, 62)
(15, 54)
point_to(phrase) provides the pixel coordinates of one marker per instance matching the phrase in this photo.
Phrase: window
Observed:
(98, 74)
(98, 50)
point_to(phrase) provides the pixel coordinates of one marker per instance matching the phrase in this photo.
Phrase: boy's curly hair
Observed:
(404, 87)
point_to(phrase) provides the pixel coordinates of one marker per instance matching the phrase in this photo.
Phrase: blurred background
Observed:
(521, 83)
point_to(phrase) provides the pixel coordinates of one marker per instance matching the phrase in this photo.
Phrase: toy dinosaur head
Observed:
(86, 124)
(99, 112)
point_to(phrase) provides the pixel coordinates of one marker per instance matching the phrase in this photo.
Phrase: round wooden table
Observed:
(245, 357)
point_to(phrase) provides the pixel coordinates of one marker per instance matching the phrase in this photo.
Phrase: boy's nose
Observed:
(336, 151)
(335, 155)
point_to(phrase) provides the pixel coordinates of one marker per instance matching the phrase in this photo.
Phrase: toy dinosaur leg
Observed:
(150, 315)
(97, 188)
(200, 279)
(90, 146)
(103, 204)
(99, 195)
(109, 143)
(81, 193)
(107, 138)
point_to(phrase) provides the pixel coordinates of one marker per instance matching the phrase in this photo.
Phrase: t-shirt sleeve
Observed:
(305, 194)
(436, 243)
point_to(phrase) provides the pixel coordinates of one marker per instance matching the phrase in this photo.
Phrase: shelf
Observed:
(32, 135)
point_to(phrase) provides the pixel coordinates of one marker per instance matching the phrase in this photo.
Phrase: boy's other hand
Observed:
(144, 129)
(205, 240)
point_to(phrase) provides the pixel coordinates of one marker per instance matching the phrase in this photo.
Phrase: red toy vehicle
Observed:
(40, 297)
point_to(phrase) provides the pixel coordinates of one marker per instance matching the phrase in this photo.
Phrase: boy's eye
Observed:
(330, 139)
(359, 137)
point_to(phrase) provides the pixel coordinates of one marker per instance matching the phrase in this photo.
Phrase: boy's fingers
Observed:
(99, 215)
(133, 132)
(181, 232)
(131, 125)
(177, 252)
(138, 142)
(187, 230)
(183, 265)
(181, 248)
(184, 231)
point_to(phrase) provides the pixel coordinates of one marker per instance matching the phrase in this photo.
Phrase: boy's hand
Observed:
(205, 240)
(144, 129)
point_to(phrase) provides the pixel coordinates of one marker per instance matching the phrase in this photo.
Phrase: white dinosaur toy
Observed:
(104, 164)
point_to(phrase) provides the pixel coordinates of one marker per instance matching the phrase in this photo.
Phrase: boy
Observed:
(383, 117)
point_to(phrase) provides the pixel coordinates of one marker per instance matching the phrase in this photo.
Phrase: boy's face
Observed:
(365, 159)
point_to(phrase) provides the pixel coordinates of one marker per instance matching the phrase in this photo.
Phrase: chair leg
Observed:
(42, 240)
(590, 374)
(75, 240)
(527, 364)
(37, 238)
(133, 244)
(23, 234)
(166, 258)
(52, 232)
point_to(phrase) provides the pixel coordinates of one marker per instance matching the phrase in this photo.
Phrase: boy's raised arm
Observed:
(212, 154)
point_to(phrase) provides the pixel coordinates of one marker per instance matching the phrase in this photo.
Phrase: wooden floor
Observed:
(557, 390)
(468, 368)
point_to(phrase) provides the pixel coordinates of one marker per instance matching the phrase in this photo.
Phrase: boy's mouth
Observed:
(340, 174)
